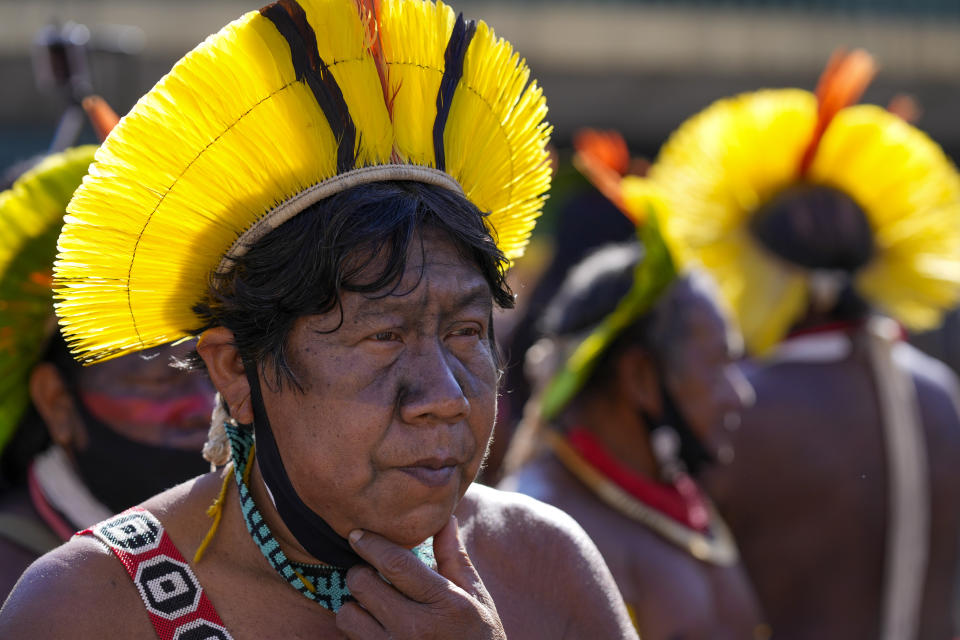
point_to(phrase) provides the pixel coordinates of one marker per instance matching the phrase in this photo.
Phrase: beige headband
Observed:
(331, 186)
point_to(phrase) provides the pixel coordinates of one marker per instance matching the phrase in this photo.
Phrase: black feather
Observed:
(463, 32)
(291, 21)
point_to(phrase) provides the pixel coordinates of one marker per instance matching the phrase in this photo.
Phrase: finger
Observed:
(453, 561)
(381, 600)
(357, 624)
(398, 565)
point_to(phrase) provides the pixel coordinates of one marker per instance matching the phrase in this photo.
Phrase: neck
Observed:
(261, 496)
(619, 429)
(232, 545)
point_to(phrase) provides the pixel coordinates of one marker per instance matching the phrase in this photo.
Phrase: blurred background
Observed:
(639, 66)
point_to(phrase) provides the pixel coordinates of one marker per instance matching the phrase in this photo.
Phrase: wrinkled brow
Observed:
(476, 297)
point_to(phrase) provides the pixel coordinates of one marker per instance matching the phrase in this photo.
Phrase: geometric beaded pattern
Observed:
(327, 584)
(174, 599)
(322, 583)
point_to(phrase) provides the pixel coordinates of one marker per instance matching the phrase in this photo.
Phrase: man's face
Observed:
(141, 397)
(398, 401)
(702, 374)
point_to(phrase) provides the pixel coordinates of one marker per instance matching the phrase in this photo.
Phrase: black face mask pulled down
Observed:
(692, 453)
(310, 530)
(121, 472)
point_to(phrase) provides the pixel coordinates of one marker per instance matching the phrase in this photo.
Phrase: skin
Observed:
(411, 381)
(419, 398)
(811, 534)
(138, 396)
(673, 595)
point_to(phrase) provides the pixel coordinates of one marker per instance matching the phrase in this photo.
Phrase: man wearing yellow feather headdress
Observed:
(327, 192)
(821, 221)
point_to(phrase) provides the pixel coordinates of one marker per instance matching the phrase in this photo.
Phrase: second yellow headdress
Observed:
(723, 164)
(279, 109)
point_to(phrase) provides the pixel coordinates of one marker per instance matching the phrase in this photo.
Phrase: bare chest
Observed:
(254, 606)
(673, 595)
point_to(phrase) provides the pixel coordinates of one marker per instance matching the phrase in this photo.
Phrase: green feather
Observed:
(652, 277)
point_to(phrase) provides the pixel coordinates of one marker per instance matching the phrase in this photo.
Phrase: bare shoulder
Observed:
(80, 575)
(938, 398)
(178, 508)
(522, 546)
(84, 575)
(509, 519)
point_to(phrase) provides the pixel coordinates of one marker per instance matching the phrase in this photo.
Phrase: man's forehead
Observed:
(428, 248)
(444, 293)
(432, 261)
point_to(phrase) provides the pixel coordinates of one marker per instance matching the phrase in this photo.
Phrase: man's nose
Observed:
(433, 394)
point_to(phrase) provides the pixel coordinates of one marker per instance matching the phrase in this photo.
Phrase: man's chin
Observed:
(414, 528)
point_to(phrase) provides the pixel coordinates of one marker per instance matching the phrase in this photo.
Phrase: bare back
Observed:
(807, 494)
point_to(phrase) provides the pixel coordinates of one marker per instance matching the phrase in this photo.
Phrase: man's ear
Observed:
(225, 366)
(56, 405)
(638, 380)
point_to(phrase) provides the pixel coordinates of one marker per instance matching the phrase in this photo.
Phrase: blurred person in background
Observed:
(820, 219)
(584, 221)
(633, 375)
(77, 443)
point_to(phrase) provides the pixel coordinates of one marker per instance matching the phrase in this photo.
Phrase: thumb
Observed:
(453, 563)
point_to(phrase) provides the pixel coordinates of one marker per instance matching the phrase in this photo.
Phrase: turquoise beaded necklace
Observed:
(324, 584)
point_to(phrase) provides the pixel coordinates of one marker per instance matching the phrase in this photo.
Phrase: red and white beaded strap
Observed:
(175, 601)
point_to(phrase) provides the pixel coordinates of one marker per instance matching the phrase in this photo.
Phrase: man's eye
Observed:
(386, 336)
(471, 332)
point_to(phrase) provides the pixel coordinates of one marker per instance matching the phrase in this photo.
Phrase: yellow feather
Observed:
(414, 38)
(341, 43)
(911, 193)
(228, 103)
(725, 162)
(496, 138)
(717, 168)
(154, 218)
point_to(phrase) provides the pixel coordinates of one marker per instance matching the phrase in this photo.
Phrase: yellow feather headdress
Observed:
(281, 108)
(723, 164)
(31, 213)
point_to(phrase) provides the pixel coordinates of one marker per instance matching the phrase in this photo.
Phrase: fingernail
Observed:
(355, 536)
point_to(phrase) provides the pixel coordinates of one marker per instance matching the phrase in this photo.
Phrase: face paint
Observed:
(178, 422)
(122, 472)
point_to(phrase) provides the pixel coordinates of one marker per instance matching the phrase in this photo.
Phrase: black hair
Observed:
(585, 222)
(593, 290)
(302, 267)
(819, 227)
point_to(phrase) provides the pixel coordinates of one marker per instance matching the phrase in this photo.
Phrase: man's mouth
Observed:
(432, 472)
